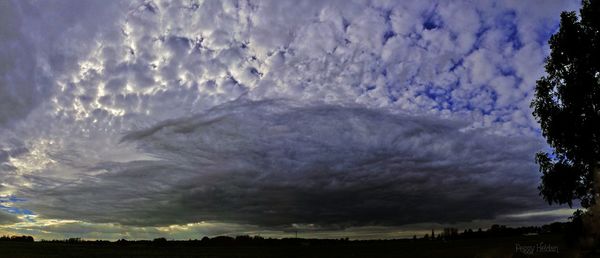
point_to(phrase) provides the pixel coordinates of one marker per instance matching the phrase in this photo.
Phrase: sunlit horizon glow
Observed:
(183, 119)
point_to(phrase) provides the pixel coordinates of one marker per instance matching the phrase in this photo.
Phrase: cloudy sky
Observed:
(367, 119)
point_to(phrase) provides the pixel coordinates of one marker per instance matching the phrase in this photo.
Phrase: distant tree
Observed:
(74, 240)
(17, 238)
(243, 238)
(160, 240)
(567, 106)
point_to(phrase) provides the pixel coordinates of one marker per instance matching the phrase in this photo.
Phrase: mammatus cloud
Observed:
(162, 112)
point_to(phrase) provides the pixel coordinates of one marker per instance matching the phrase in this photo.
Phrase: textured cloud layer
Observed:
(275, 164)
(162, 112)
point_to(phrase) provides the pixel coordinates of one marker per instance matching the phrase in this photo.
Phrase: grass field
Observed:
(490, 247)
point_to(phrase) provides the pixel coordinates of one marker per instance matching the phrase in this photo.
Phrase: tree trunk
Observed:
(591, 219)
(592, 223)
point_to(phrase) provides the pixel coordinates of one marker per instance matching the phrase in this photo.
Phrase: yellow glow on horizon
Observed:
(182, 227)
(558, 212)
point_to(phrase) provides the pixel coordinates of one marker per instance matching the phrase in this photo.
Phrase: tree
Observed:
(160, 240)
(567, 106)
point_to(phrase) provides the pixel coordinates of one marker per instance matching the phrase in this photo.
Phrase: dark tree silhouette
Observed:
(567, 106)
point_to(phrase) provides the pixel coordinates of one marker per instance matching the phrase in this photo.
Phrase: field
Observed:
(552, 246)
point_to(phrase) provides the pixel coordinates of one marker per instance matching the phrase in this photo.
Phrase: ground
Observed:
(552, 246)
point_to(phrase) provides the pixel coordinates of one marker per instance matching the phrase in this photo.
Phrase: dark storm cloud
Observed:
(276, 163)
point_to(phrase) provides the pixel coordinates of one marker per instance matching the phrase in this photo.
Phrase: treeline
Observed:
(241, 240)
(569, 229)
(16, 238)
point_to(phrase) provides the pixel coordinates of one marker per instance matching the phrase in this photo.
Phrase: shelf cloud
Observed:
(275, 164)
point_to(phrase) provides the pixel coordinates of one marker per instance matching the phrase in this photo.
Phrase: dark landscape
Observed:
(554, 240)
(489, 247)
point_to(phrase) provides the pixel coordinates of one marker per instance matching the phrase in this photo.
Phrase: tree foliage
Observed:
(567, 106)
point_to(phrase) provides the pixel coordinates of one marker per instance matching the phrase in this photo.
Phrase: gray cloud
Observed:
(276, 163)
(18, 93)
(7, 218)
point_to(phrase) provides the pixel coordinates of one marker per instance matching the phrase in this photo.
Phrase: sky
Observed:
(183, 119)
